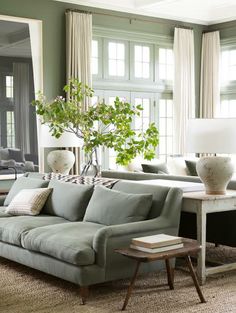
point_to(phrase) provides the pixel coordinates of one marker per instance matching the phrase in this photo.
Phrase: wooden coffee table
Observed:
(138, 256)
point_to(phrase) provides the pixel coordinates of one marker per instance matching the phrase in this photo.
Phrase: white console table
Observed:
(202, 204)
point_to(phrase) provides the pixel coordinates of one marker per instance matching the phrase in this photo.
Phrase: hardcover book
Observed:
(156, 250)
(156, 241)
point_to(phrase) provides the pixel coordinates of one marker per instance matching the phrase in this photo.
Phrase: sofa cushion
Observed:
(160, 168)
(17, 155)
(109, 207)
(4, 154)
(191, 167)
(70, 242)
(28, 201)
(24, 183)
(11, 228)
(68, 200)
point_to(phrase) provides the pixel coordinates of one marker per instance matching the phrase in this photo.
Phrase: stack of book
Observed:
(157, 243)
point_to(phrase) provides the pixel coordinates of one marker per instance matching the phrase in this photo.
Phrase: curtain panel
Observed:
(210, 85)
(184, 86)
(79, 48)
(78, 61)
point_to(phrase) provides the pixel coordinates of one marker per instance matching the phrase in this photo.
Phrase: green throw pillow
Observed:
(155, 168)
(110, 207)
(191, 166)
(68, 200)
(24, 183)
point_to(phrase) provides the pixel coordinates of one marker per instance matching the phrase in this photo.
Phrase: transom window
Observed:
(116, 59)
(141, 61)
(9, 87)
(166, 64)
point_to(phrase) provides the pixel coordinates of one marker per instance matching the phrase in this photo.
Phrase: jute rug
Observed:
(24, 290)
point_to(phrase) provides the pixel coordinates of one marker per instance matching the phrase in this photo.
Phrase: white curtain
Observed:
(210, 86)
(184, 86)
(22, 105)
(79, 48)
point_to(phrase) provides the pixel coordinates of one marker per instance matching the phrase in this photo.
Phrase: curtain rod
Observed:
(130, 18)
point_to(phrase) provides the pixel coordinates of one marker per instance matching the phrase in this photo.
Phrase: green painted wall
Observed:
(227, 30)
(53, 17)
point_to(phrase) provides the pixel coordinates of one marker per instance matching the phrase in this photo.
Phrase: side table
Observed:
(138, 256)
(202, 204)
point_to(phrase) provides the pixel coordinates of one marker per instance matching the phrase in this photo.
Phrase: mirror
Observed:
(20, 79)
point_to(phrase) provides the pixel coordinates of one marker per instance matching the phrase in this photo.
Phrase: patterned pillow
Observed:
(28, 201)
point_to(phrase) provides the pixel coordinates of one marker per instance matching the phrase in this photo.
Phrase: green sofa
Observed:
(220, 226)
(63, 243)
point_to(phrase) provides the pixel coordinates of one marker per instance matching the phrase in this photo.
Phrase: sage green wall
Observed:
(53, 17)
(227, 30)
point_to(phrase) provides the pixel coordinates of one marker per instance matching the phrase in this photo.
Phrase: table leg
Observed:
(194, 277)
(128, 294)
(169, 271)
(201, 238)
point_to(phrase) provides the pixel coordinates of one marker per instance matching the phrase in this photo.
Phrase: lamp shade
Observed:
(66, 139)
(211, 135)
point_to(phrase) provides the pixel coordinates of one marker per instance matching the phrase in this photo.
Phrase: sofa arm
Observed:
(125, 232)
(2, 199)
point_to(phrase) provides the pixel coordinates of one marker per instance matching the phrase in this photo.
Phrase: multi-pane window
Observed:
(9, 87)
(95, 58)
(227, 108)
(141, 61)
(228, 66)
(141, 123)
(165, 128)
(10, 129)
(166, 64)
(116, 59)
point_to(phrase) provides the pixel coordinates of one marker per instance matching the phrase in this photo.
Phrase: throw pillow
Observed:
(4, 154)
(110, 207)
(11, 163)
(160, 168)
(68, 200)
(24, 183)
(17, 155)
(191, 167)
(28, 201)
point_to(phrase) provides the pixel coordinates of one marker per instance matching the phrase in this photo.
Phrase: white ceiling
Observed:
(196, 11)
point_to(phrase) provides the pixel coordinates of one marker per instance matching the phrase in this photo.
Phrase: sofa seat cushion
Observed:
(12, 228)
(70, 242)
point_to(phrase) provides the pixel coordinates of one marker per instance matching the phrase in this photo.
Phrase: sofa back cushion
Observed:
(24, 183)
(68, 200)
(110, 207)
(159, 194)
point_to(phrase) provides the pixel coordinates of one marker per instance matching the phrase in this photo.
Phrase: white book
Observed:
(156, 250)
(156, 241)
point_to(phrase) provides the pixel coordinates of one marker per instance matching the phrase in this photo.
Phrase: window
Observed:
(9, 87)
(10, 129)
(228, 66)
(165, 128)
(95, 57)
(141, 61)
(166, 64)
(142, 122)
(116, 59)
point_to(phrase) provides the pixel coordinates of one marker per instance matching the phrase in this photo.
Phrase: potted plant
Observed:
(101, 125)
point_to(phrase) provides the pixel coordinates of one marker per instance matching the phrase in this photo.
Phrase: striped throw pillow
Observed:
(28, 201)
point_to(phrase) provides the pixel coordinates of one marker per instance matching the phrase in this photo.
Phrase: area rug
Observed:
(24, 290)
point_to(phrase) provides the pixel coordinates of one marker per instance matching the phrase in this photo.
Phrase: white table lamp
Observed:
(60, 161)
(212, 136)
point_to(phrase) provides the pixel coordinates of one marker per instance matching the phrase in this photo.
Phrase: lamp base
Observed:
(215, 172)
(61, 161)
